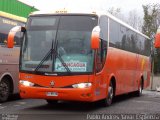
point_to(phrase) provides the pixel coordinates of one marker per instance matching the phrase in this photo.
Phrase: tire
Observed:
(52, 102)
(140, 89)
(4, 90)
(108, 100)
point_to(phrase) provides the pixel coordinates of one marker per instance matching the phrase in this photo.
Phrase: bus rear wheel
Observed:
(139, 91)
(108, 101)
(4, 90)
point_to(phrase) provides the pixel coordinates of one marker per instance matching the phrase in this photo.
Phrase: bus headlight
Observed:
(26, 83)
(82, 85)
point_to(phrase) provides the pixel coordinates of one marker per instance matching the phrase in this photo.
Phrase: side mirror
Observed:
(157, 39)
(12, 33)
(95, 38)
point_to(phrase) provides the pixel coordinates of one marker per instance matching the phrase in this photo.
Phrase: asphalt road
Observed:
(125, 107)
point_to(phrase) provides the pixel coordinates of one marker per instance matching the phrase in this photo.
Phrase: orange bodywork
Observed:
(127, 68)
(157, 40)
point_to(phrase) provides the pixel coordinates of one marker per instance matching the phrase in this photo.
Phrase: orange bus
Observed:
(87, 56)
(9, 58)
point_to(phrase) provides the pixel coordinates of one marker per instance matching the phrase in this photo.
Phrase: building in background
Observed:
(16, 7)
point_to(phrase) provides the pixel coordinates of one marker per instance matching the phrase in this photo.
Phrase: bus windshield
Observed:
(58, 44)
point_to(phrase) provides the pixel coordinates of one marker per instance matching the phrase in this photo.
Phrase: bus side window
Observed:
(3, 39)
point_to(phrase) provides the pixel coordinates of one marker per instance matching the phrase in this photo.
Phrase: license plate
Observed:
(51, 93)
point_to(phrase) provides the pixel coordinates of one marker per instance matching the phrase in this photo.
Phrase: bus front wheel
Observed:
(4, 90)
(108, 100)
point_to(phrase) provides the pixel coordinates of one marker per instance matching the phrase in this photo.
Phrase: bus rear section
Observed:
(72, 57)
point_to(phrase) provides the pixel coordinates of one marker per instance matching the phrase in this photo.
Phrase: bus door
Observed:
(100, 81)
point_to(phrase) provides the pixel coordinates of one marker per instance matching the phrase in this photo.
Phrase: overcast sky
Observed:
(125, 5)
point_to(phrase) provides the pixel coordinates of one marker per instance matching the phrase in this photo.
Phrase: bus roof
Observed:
(98, 13)
(11, 16)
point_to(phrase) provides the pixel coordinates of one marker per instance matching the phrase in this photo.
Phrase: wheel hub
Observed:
(3, 89)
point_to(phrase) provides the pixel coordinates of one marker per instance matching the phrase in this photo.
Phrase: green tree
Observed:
(150, 24)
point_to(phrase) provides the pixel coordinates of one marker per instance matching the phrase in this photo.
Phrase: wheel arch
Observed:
(113, 80)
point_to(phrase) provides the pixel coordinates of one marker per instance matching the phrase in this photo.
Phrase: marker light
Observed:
(26, 83)
(61, 11)
(82, 85)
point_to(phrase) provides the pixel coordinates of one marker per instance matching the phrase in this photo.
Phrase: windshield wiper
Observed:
(42, 61)
(61, 60)
(51, 52)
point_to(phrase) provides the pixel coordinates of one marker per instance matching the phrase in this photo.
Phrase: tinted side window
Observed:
(103, 23)
(3, 37)
(128, 41)
(133, 42)
(147, 47)
(139, 44)
(5, 26)
(124, 38)
(114, 34)
(144, 46)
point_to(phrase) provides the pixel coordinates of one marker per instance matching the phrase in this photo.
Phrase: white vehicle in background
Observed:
(9, 58)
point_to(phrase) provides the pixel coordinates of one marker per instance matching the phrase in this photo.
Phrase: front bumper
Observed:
(73, 94)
